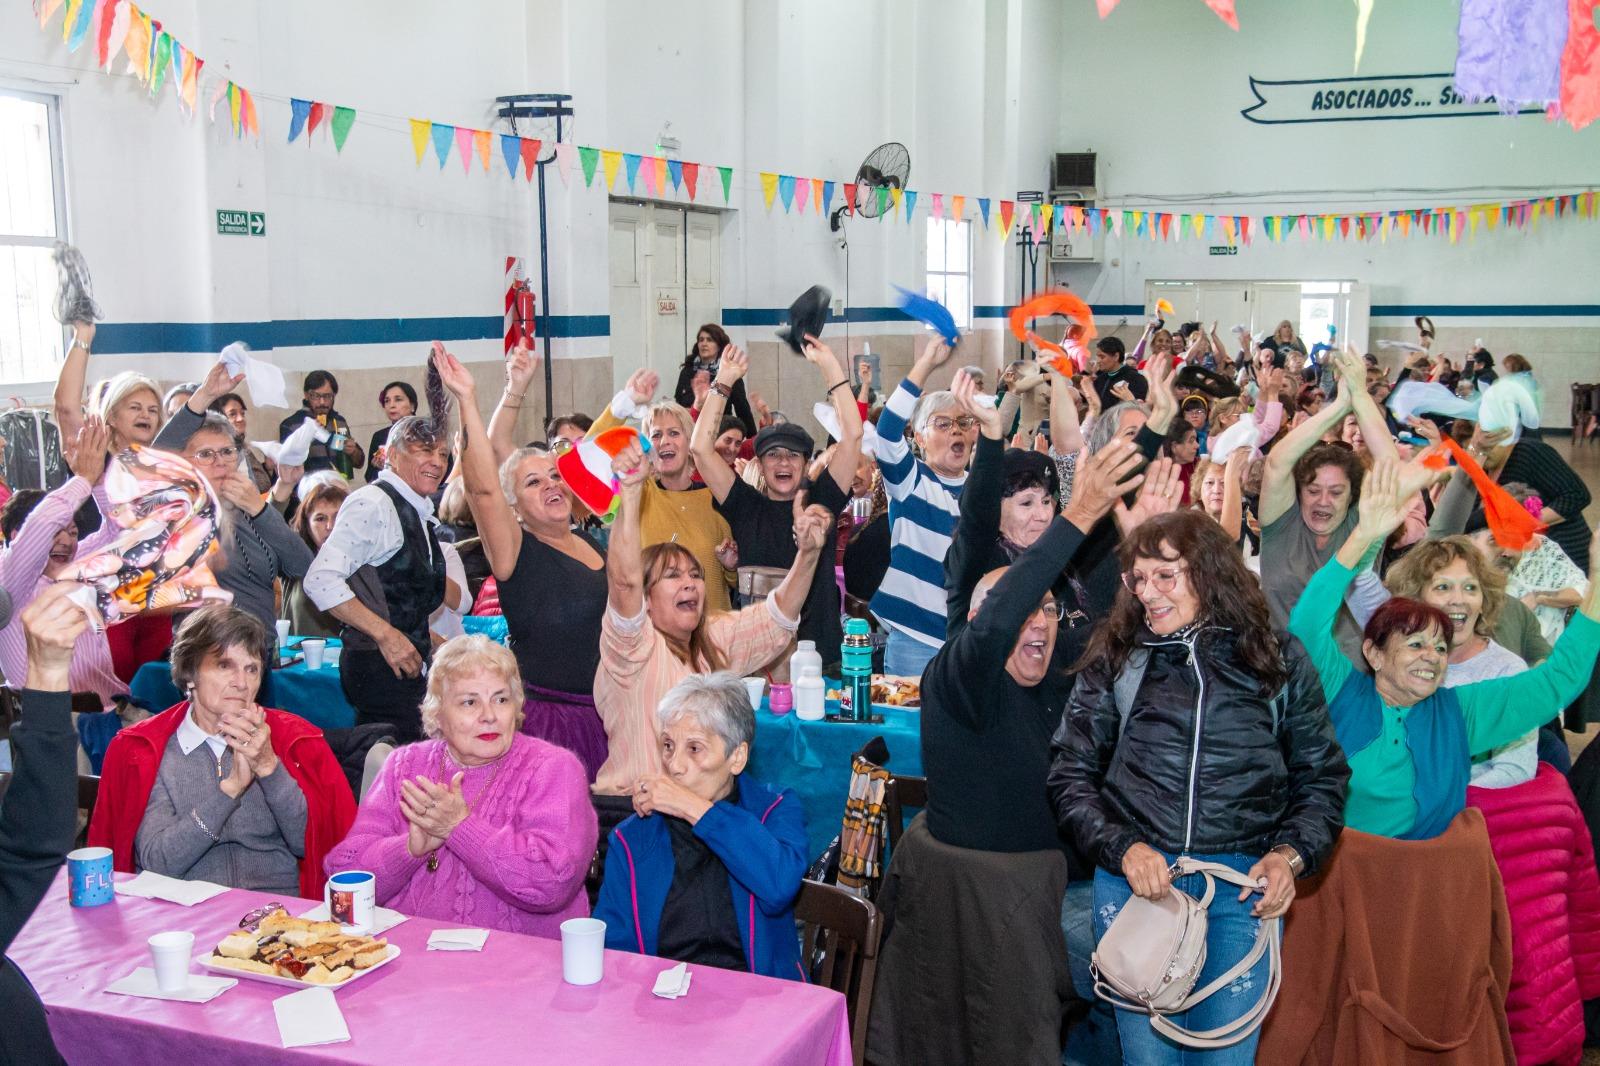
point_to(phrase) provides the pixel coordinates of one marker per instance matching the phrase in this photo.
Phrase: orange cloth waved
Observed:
(1054, 303)
(1513, 527)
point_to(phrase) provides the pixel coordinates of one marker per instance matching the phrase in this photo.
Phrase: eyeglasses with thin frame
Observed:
(1164, 579)
(945, 425)
(210, 455)
(1054, 610)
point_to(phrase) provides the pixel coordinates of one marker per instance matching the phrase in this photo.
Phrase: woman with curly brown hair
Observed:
(1196, 729)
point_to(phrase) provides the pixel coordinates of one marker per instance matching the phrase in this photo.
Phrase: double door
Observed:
(665, 265)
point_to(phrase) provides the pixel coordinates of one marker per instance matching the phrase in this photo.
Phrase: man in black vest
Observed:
(381, 573)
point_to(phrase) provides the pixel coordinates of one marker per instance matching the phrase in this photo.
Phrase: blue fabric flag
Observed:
(786, 189)
(983, 205)
(827, 196)
(930, 312)
(631, 161)
(511, 149)
(80, 28)
(675, 172)
(910, 200)
(443, 137)
(299, 111)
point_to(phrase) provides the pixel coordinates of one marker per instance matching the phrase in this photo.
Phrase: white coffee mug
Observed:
(351, 897)
(583, 951)
(169, 954)
(314, 649)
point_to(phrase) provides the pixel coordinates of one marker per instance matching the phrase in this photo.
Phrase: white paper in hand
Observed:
(828, 419)
(264, 380)
(294, 450)
(1242, 434)
(673, 983)
(457, 939)
(310, 1017)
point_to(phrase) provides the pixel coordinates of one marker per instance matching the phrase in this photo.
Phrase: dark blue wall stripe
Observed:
(1484, 310)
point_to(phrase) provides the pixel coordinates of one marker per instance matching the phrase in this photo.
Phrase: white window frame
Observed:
(941, 229)
(41, 367)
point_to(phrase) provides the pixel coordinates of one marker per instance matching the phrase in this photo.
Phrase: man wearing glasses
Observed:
(340, 452)
(975, 885)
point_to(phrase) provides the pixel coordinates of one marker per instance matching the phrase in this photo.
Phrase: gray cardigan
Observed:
(255, 550)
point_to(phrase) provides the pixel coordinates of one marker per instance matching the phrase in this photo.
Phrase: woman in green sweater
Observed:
(1409, 741)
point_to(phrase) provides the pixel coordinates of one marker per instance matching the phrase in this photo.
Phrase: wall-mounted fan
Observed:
(887, 167)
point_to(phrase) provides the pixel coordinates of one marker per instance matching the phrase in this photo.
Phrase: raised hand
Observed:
(1163, 401)
(1121, 391)
(811, 526)
(1161, 492)
(52, 624)
(735, 365)
(642, 385)
(629, 467)
(821, 356)
(456, 377)
(1102, 481)
(965, 389)
(520, 365)
(935, 353)
(92, 449)
(1383, 500)
(218, 382)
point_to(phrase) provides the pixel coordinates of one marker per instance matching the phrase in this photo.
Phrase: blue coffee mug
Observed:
(89, 877)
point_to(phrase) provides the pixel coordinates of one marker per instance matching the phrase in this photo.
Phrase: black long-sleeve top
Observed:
(985, 738)
(738, 403)
(1539, 466)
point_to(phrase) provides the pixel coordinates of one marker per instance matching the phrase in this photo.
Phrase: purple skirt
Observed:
(567, 720)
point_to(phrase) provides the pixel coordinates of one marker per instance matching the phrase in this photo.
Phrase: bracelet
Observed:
(840, 385)
(511, 406)
(76, 343)
(513, 395)
(725, 391)
(1297, 865)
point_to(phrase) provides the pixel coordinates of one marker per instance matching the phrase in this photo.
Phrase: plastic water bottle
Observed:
(810, 703)
(855, 656)
(805, 657)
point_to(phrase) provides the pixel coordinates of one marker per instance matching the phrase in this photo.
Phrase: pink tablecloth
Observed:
(507, 1003)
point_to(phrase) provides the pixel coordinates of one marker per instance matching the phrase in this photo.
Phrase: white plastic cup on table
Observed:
(583, 951)
(282, 625)
(314, 649)
(351, 897)
(755, 686)
(169, 955)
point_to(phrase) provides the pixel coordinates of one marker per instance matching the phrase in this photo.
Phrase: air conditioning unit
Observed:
(1072, 245)
(1073, 175)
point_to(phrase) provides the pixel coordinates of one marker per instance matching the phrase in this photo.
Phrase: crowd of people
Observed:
(1195, 600)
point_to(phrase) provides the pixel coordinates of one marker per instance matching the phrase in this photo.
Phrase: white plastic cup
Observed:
(755, 686)
(169, 954)
(314, 649)
(283, 632)
(583, 951)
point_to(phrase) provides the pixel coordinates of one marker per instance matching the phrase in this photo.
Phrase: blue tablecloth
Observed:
(813, 758)
(314, 695)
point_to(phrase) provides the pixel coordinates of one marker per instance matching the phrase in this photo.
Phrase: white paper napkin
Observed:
(382, 917)
(673, 983)
(457, 939)
(264, 379)
(310, 1017)
(159, 886)
(294, 450)
(203, 988)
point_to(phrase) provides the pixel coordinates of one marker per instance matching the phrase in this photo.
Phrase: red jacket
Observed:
(1546, 860)
(129, 773)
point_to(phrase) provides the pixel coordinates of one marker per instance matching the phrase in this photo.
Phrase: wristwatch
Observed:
(725, 391)
(1297, 865)
(76, 343)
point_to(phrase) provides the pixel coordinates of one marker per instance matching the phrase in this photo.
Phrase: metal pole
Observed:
(544, 293)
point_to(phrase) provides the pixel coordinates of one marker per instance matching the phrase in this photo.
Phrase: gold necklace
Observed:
(433, 856)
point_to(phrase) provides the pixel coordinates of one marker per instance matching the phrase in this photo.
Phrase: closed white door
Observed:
(664, 310)
(1274, 302)
(1227, 303)
(702, 269)
(666, 279)
(629, 277)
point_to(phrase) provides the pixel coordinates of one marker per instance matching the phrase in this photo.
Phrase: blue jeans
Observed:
(1092, 1041)
(1230, 933)
(906, 656)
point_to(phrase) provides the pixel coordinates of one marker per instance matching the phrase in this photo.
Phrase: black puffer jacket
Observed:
(1198, 768)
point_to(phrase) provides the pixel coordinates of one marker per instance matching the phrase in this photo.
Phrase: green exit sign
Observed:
(1224, 249)
(243, 223)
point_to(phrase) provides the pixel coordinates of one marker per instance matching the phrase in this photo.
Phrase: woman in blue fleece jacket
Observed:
(707, 869)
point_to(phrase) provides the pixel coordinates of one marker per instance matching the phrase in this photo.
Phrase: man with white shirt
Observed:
(382, 574)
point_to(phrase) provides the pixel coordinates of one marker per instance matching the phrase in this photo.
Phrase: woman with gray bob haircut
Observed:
(708, 868)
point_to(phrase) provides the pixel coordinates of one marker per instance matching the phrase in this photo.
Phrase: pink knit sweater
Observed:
(517, 862)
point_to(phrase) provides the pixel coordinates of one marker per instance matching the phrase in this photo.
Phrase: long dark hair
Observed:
(717, 333)
(1229, 595)
(699, 652)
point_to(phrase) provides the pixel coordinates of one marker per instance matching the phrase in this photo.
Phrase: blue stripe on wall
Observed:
(125, 338)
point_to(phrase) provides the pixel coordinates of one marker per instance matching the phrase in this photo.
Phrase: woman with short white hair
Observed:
(708, 868)
(478, 824)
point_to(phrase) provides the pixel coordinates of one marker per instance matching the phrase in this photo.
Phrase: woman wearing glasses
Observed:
(1195, 729)
(257, 545)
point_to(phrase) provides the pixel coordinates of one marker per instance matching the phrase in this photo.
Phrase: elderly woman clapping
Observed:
(478, 824)
(706, 850)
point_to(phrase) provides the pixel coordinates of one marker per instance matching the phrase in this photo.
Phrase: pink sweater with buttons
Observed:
(518, 861)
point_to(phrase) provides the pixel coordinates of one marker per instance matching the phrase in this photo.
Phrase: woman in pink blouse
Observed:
(479, 824)
(656, 632)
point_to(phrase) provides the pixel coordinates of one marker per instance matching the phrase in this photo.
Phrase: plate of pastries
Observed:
(284, 950)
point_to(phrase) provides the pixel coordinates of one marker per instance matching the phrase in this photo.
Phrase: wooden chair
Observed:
(840, 950)
(903, 791)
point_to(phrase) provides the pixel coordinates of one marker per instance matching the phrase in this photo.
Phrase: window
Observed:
(950, 267)
(32, 219)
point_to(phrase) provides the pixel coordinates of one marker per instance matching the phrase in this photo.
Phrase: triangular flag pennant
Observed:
(769, 187)
(421, 131)
(528, 150)
(343, 119)
(827, 197)
(78, 27)
(1199, 224)
(659, 164)
(1227, 228)
(511, 152)
(1244, 228)
(1164, 223)
(163, 54)
(648, 167)
(588, 157)
(631, 161)
(802, 194)
(190, 86)
(936, 206)
(1046, 213)
(726, 173)
(850, 197)
(882, 193)
(983, 209)
(786, 191)
(233, 108)
(299, 111)
(675, 174)
(102, 31)
(817, 185)
(137, 45)
(319, 114)
(218, 91)
(910, 203)
(1224, 11)
(691, 177)
(610, 163)
(121, 20)
(482, 142)
(958, 206)
(46, 8)
(443, 137)
(464, 148)
(1007, 209)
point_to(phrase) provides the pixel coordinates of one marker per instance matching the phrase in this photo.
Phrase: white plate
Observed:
(290, 982)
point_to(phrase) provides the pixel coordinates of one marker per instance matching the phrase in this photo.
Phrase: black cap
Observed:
(807, 315)
(784, 435)
(1020, 461)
